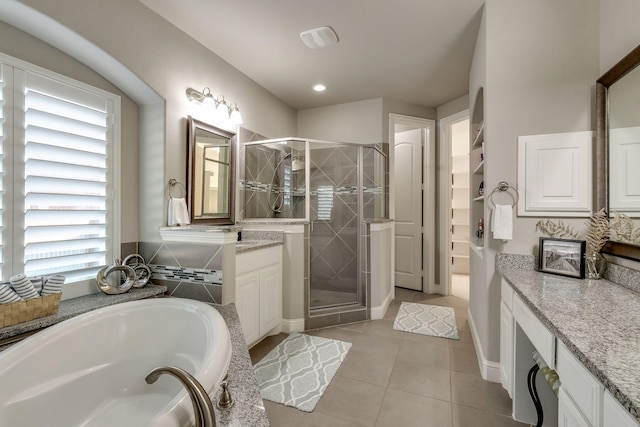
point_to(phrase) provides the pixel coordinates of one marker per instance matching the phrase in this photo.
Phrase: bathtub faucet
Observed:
(202, 406)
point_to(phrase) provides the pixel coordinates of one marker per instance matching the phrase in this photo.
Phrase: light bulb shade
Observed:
(222, 111)
(235, 117)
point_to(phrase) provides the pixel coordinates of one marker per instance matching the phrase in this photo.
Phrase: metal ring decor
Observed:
(121, 286)
(143, 275)
(504, 186)
(173, 183)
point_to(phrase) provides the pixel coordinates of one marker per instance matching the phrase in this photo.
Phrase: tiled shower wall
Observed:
(188, 270)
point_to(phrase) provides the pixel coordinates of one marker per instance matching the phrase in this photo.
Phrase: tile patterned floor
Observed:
(397, 379)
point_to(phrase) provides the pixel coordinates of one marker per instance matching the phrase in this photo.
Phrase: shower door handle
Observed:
(311, 225)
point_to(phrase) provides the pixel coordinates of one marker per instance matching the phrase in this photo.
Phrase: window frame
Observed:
(13, 227)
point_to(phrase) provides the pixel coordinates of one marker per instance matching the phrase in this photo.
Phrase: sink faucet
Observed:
(202, 405)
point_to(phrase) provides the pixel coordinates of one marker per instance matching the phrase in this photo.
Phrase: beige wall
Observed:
(541, 63)
(169, 62)
(18, 44)
(619, 30)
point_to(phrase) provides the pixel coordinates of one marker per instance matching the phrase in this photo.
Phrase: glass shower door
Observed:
(334, 230)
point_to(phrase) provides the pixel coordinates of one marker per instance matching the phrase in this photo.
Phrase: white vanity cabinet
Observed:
(258, 295)
(614, 415)
(506, 338)
(582, 399)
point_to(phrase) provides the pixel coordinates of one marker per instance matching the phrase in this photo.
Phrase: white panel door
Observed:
(408, 209)
(624, 174)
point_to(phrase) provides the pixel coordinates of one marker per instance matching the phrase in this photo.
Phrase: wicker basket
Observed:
(22, 311)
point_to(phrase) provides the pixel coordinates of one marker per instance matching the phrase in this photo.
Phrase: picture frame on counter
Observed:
(563, 257)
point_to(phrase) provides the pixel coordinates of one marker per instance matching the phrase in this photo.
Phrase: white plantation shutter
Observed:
(3, 124)
(62, 213)
(65, 186)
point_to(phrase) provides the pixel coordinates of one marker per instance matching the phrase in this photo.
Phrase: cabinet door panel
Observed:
(248, 306)
(506, 347)
(614, 415)
(270, 298)
(568, 414)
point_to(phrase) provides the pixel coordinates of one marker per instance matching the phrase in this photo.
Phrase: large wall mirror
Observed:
(210, 173)
(618, 153)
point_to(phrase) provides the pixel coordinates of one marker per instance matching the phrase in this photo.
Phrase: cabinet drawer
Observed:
(614, 415)
(507, 294)
(541, 337)
(580, 384)
(568, 414)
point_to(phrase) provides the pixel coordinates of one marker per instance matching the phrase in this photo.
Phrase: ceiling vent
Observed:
(319, 37)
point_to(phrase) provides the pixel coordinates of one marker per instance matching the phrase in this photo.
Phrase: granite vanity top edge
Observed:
(248, 409)
(204, 228)
(581, 324)
(253, 245)
(377, 220)
(273, 222)
(76, 306)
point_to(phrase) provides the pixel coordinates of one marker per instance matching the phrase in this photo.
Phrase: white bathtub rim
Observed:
(213, 350)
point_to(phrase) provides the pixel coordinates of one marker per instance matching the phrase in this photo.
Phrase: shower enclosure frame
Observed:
(359, 308)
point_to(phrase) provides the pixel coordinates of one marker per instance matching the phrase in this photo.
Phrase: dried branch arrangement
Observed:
(559, 230)
(596, 234)
(623, 229)
(598, 231)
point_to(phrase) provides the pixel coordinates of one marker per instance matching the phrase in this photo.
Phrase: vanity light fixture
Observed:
(222, 111)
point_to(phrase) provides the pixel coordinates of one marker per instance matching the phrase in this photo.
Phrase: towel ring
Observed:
(173, 183)
(504, 186)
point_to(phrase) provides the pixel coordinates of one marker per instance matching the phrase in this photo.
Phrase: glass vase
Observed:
(595, 266)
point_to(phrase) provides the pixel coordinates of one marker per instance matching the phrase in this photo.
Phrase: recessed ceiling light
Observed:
(319, 87)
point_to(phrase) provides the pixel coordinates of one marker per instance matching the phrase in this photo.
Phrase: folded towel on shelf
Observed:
(502, 222)
(178, 213)
(23, 286)
(53, 285)
(8, 295)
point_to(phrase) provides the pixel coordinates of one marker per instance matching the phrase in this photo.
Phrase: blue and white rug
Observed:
(426, 319)
(299, 370)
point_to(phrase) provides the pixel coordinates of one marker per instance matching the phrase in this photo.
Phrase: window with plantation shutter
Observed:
(62, 148)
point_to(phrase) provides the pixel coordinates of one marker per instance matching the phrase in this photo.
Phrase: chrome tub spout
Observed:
(202, 406)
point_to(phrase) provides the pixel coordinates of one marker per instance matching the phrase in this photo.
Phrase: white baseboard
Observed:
(489, 370)
(378, 312)
(292, 325)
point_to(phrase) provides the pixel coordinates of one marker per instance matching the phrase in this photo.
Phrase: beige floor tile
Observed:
(464, 359)
(352, 401)
(340, 334)
(472, 390)
(403, 294)
(367, 367)
(281, 415)
(419, 379)
(400, 409)
(465, 416)
(318, 419)
(383, 327)
(261, 349)
(425, 350)
(377, 344)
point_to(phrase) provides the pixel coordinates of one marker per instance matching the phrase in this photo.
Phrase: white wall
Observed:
(168, 61)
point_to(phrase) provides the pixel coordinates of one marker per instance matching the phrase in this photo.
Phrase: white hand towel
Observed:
(8, 295)
(502, 222)
(53, 285)
(23, 286)
(178, 212)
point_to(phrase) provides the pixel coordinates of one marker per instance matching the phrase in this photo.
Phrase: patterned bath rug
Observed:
(426, 319)
(299, 370)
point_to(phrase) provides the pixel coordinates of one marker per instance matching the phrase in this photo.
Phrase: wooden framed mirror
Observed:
(618, 141)
(210, 173)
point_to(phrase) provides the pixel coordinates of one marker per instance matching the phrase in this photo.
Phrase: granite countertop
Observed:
(598, 321)
(204, 228)
(252, 245)
(248, 409)
(75, 306)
